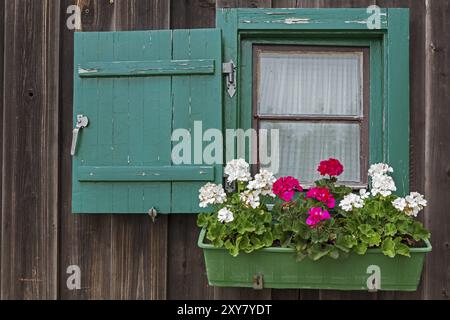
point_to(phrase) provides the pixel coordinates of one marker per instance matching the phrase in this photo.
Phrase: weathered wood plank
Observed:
(191, 14)
(437, 150)
(95, 15)
(146, 68)
(30, 181)
(141, 14)
(134, 238)
(186, 267)
(85, 241)
(186, 277)
(2, 34)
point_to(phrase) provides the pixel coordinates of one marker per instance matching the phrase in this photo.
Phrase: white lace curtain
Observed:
(313, 84)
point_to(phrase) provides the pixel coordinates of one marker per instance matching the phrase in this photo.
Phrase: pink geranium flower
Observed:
(323, 195)
(316, 215)
(286, 187)
(331, 167)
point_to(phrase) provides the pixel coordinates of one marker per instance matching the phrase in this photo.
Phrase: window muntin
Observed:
(318, 99)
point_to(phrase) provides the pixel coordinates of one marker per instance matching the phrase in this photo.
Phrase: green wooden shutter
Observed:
(136, 88)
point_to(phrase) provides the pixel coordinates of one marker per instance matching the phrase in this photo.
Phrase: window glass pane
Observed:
(303, 145)
(310, 83)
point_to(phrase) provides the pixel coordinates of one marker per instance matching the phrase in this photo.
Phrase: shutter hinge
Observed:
(153, 213)
(229, 68)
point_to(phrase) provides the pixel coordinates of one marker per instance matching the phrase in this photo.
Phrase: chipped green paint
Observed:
(145, 68)
(167, 173)
(306, 19)
(123, 163)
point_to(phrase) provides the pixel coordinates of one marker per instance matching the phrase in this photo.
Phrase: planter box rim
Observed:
(204, 245)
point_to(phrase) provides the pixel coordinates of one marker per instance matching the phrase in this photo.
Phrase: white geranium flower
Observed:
(351, 201)
(364, 194)
(415, 203)
(211, 193)
(411, 205)
(383, 184)
(250, 198)
(225, 215)
(263, 183)
(238, 170)
(380, 169)
(399, 204)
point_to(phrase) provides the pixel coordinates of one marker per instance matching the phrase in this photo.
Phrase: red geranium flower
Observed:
(286, 187)
(316, 215)
(331, 167)
(323, 195)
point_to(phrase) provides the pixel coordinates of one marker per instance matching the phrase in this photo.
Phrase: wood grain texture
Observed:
(95, 15)
(141, 14)
(134, 238)
(2, 34)
(30, 151)
(186, 276)
(437, 151)
(119, 257)
(191, 14)
(85, 241)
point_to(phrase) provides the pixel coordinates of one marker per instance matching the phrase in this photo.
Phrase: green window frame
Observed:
(389, 66)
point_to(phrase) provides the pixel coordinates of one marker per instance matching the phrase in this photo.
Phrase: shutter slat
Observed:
(145, 68)
(169, 173)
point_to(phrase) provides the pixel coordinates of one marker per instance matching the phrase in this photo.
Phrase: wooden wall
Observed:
(129, 257)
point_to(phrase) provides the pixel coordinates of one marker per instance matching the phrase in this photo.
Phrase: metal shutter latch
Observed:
(229, 68)
(82, 122)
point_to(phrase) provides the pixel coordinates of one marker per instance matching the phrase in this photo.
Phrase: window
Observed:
(381, 114)
(318, 98)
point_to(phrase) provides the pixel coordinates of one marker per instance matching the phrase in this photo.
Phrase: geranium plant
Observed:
(307, 222)
(325, 220)
(240, 220)
(380, 218)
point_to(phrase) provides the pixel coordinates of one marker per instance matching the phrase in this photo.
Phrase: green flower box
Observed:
(277, 268)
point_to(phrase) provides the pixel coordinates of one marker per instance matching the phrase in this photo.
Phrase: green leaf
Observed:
(245, 226)
(268, 239)
(361, 248)
(245, 243)
(218, 243)
(402, 249)
(366, 230)
(215, 231)
(390, 230)
(419, 232)
(374, 240)
(228, 244)
(267, 218)
(388, 247)
(346, 242)
(203, 219)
